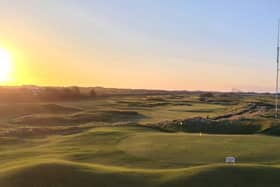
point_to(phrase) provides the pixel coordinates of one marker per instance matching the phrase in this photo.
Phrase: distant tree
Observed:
(76, 91)
(50, 93)
(70, 93)
(204, 97)
(207, 94)
(92, 93)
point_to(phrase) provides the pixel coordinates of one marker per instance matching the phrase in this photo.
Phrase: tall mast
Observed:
(277, 71)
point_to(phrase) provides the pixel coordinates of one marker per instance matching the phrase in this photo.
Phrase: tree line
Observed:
(44, 93)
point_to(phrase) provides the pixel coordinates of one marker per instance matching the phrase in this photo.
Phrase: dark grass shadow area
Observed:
(203, 125)
(79, 118)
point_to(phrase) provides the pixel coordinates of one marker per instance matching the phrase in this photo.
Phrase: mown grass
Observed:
(151, 149)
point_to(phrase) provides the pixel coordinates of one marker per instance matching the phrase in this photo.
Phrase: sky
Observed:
(215, 45)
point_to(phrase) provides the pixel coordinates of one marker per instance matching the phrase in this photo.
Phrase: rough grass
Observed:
(79, 118)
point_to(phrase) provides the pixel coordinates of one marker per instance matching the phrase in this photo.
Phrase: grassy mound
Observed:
(36, 132)
(60, 173)
(55, 108)
(144, 148)
(79, 118)
(228, 176)
(19, 109)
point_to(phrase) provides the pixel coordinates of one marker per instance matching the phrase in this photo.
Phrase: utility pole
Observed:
(277, 72)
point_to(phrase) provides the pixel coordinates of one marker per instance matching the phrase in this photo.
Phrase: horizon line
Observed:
(148, 89)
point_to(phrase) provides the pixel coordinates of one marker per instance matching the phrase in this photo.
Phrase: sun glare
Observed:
(5, 65)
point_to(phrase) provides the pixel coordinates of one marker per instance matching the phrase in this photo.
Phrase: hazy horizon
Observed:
(233, 90)
(180, 45)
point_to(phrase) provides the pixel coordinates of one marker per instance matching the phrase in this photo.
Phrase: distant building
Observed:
(230, 160)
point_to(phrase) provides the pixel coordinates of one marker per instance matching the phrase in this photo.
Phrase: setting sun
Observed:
(5, 65)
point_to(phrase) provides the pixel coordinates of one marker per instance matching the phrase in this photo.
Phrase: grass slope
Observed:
(66, 174)
(146, 148)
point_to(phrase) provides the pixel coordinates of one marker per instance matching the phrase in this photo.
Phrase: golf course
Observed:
(141, 140)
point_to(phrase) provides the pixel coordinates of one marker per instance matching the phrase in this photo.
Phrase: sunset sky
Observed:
(153, 44)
